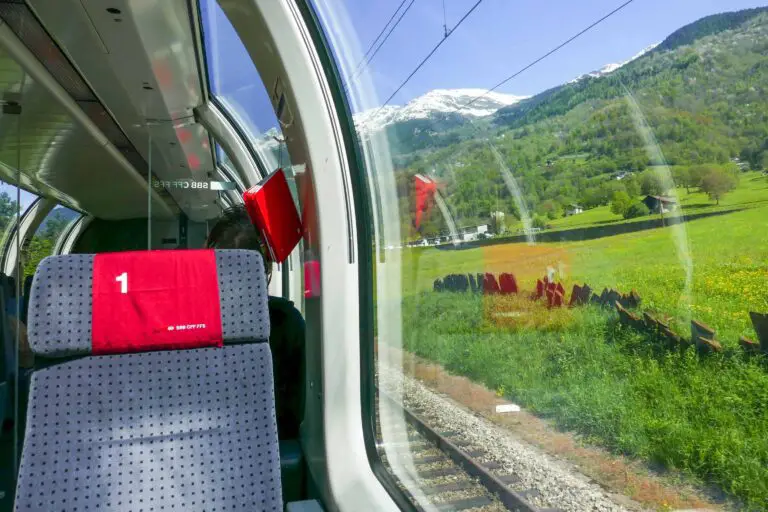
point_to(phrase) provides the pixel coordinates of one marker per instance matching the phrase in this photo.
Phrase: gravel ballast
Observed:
(557, 484)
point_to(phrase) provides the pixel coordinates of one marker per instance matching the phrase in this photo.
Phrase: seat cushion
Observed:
(186, 430)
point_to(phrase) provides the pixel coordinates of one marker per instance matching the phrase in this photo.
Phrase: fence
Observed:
(703, 337)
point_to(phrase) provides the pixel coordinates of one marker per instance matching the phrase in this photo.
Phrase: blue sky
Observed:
(502, 36)
(26, 197)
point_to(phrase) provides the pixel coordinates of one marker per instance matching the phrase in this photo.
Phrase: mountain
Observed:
(709, 38)
(703, 92)
(435, 103)
(60, 213)
(55, 222)
(708, 26)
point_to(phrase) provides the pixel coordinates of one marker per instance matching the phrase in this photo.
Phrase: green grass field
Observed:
(750, 192)
(706, 416)
(726, 255)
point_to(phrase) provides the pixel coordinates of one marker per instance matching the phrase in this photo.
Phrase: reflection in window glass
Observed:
(576, 261)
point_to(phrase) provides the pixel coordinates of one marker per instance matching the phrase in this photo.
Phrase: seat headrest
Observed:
(61, 304)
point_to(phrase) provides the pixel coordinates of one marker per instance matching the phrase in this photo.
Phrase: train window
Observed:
(240, 92)
(238, 89)
(13, 203)
(43, 241)
(571, 256)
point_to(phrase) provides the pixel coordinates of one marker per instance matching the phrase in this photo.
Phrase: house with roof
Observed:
(660, 204)
(573, 209)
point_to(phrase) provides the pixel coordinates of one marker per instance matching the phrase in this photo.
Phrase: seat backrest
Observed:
(190, 429)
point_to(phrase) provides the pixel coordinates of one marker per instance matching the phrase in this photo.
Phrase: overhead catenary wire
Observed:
(367, 61)
(383, 29)
(546, 55)
(432, 52)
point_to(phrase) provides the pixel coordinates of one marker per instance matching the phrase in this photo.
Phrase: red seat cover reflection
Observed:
(311, 279)
(156, 300)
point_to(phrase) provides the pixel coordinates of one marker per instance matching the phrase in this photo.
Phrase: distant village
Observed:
(656, 204)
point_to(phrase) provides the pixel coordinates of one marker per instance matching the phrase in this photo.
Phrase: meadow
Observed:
(713, 269)
(750, 192)
(704, 415)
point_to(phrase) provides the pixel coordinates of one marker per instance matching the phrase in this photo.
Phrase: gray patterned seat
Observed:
(182, 430)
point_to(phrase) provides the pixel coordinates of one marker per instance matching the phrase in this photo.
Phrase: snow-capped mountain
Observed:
(437, 101)
(610, 68)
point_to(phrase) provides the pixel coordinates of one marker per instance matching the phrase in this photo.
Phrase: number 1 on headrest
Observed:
(123, 280)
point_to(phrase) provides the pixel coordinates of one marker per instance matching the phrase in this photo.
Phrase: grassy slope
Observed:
(752, 191)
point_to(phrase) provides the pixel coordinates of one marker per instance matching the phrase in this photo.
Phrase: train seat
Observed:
(190, 429)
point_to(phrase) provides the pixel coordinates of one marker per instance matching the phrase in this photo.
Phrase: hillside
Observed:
(702, 91)
(709, 25)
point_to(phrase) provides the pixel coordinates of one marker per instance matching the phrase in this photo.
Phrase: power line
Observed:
(557, 48)
(368, 61)
(380, 34)
(444, 39)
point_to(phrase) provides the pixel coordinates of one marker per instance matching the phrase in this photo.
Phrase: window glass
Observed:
(14, 359)
(237, 87)
(571, 263)
(43, 241)
(11, 200)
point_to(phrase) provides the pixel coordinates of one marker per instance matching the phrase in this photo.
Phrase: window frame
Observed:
(364, 219)
(213, 99)
(22, 230)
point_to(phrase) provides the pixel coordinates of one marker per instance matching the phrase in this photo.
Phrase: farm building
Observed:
(622, 174)
(573, 209)
(660, 204)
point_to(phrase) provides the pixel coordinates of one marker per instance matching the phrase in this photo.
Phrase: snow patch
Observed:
(437, 101)
(610, 68)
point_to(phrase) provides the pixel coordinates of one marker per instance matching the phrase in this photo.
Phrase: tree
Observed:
(53, 226)
(696, 174)
(538, 222)
(551, 209)
(651, 184)
(37, 248)
(718, 183)
(682, 178)
(7, 210)
(636, 210)
(632, 186)
(620, 203)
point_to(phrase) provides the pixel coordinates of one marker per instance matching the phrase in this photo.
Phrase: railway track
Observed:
(452, 473)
